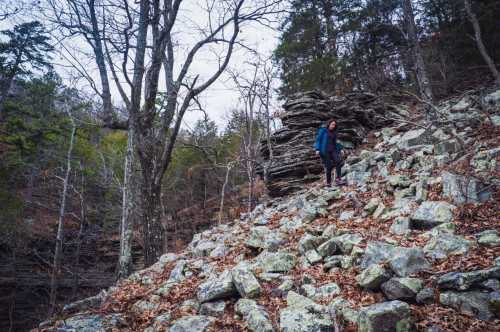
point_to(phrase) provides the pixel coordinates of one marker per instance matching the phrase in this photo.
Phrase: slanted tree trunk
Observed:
(423, 81)
(60, 228)
(125, 264)
(479, 41)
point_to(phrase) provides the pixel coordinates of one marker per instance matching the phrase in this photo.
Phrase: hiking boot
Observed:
(340, 182)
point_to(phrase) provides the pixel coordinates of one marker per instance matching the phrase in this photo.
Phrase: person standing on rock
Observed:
(330, 151)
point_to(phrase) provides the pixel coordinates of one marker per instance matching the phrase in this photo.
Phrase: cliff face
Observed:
(294, 162)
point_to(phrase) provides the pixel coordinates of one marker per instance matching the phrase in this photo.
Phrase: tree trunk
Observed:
(125, 263)
(423, 81)
(60, 228)
(151, 222)
(480, 44)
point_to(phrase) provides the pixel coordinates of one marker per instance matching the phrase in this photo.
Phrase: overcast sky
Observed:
(219, 99)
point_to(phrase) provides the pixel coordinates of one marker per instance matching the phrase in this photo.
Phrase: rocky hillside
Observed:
(412, 243)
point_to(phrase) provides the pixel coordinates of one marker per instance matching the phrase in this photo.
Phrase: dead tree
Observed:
(156, 127)
(60, 223)
(479, 41)
(423, 80)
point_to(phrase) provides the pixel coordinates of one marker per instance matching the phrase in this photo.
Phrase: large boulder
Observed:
(245, 282)
(262, 237)
(403, 261)
(372, 277)
(465, 280)
(255, 316)
(347, 241)
(432, 213)
(304, 315)
(444, 244)
(473, 303)
(463, 189)
(216, 288)
(405, 289)
(386, 316)
(280, 261)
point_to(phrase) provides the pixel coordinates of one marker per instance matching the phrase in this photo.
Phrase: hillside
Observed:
(411, 243)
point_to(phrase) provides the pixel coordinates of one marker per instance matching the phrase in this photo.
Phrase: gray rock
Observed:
(405, 289)
(346, 215)
(407, 261)
(301, 320)
(357, 178)
(141, 306)
(160, 323)
(341, 308)
(286, 286)
(245, 282)
(88, 303)
(309, 242)
(372, 277)
(491, 284)
(463, 189)
(215, 309)
(445, 244)
(295, 300)
(403, 261)
(262, 237)
(177, 273)
(449, 146)
(377, 252)
(196, 323)
(332, 261)
(84, 323)
(204, 248)
(399, 181)
(431, 213)
(219, 251)
(489, 238)
(474, 303)
(415, 137)
(330, 231)
(327, 248)
(465, 280)
(372, 205)
(313, 257)
(346, 242)
(425, 296)
(220, 287)
(494, 302)
(258, 321)
(381, 209)
(280, 261)
(386, 316)
(493, 98)
(400, 226)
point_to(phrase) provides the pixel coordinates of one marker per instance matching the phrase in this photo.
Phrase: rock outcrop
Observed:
(294, 162)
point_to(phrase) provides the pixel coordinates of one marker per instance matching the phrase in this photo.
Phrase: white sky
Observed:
(220, 98)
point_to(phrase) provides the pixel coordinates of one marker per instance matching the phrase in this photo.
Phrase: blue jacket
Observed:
(322, 141)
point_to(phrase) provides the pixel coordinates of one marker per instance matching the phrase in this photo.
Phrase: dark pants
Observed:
(330, 161)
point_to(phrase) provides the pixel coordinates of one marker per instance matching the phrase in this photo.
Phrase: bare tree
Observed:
(60, 223)
(141, 44)
(156, 126)
(423, 81)
(479, 41)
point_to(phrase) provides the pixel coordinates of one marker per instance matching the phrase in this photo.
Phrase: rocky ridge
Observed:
(412, 243)
(294, 162)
